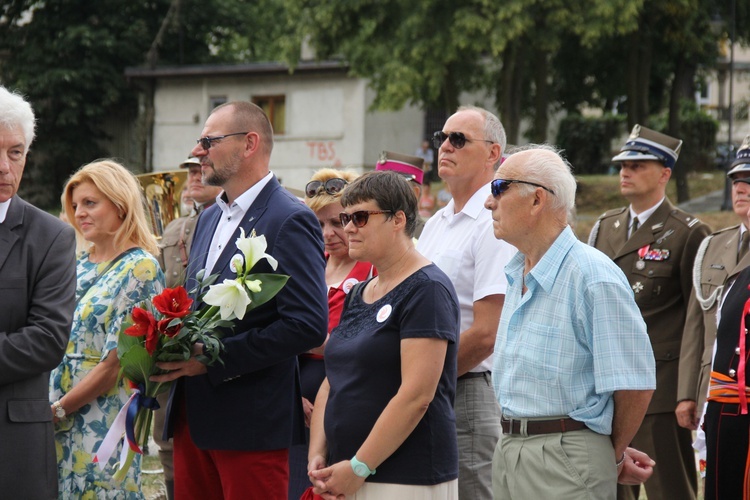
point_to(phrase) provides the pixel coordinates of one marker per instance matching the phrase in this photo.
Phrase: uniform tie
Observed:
(743, 245)
(634, 226)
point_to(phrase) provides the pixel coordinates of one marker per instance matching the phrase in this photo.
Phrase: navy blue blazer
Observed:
(252, 402)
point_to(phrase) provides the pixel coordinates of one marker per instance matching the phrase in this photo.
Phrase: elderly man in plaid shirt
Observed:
(573, 370)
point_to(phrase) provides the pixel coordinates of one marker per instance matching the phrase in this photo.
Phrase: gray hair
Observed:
(493, 129)
(546, 166)
(15, 111)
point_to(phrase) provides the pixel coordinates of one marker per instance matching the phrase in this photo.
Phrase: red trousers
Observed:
(228, 474)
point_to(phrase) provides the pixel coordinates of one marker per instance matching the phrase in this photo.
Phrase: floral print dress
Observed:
(97, 320)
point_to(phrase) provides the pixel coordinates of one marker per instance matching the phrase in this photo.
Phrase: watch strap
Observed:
(360, 468)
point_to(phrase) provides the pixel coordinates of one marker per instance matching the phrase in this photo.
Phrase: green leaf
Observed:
(137, 365)
(271, 285)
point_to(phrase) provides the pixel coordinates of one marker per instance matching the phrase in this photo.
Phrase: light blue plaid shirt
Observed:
(572, 339)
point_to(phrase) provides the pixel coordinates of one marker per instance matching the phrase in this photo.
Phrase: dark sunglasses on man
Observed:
(207, 142)
(457, 139)
(499, 186)
(360, 217)
(331, 186)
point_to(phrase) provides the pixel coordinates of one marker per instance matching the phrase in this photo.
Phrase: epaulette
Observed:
(726, 229)
(613, 212)
(684, 217)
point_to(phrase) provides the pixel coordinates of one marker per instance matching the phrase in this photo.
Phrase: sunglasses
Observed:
(360, 217)
(744, 180)
(206, 142)
(457, 139)
(499, 186)
(331, 186)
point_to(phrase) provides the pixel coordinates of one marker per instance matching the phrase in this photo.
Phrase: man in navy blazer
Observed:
(233, 423)
(37, 298)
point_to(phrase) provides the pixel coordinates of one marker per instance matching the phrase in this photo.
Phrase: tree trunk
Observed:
(507, 105)
(682, 88)
(541, 97)
(632, 80)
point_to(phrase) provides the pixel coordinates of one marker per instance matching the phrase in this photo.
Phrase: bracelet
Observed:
(621, 461)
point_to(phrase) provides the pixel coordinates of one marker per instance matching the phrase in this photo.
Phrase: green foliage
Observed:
(586, 141)
(698, 133)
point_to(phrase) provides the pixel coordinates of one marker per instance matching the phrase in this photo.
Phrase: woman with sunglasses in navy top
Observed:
(322, 195)
(383, 425)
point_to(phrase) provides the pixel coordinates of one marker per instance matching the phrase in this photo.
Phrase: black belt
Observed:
(533, 427)
(468, 375)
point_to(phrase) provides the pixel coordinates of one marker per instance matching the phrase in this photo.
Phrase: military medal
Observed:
(640, 265)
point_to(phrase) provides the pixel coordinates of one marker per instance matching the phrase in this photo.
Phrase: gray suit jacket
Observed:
(37, 297)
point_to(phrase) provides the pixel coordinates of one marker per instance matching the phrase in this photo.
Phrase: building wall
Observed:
(327, 121)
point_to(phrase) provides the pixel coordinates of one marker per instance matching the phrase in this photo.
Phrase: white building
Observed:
(320, 115)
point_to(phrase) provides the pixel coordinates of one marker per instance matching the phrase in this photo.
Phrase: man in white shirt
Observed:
(459, 239)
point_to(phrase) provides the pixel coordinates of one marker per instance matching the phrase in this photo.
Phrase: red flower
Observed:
(173, 302)
(144, 323)
(163, 327)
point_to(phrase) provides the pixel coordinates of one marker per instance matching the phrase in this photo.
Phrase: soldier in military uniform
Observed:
(720, 259)
(655, 243)
(175, 248)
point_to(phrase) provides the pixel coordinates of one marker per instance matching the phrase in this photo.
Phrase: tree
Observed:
(427, 52)
(68, 57)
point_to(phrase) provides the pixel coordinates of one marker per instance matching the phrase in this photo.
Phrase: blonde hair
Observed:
(324, 199)
(120, 187)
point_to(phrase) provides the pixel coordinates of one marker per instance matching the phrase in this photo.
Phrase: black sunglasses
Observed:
(744, 180)
(457, 139)
(499, 186)
(205, 142)
(331, 186)
(360, 217)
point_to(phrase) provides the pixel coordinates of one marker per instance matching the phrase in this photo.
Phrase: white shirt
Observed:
(464, 247)
(4, 210)
(231, 217)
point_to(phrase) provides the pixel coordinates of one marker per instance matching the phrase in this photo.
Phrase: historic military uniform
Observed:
(175, 248)
(716, 264)
(657, 260)
(727, 420)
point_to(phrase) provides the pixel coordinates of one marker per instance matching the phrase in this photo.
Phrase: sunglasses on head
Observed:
(457, 139)
(206, 142)
(331, 186)
(499, 186)
(360, 217)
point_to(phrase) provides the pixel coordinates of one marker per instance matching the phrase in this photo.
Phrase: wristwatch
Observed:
(59, 410)
(360, 468)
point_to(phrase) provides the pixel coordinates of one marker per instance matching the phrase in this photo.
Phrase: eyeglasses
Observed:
(744, 180)
(205, 142)
(457, 139)
(499, 186)
(360, 217)
(331, 186)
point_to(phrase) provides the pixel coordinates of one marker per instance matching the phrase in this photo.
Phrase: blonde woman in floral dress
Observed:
(118, 271)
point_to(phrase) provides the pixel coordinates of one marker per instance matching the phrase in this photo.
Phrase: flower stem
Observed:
(122, 472)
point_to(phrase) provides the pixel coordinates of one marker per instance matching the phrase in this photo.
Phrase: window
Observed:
(275, 108)
(214, 101)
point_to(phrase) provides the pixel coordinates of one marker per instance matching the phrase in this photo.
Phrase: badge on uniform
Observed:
(640, 265)
(657, 255)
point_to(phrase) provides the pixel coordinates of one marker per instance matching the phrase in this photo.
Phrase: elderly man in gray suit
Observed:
(37, 297)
